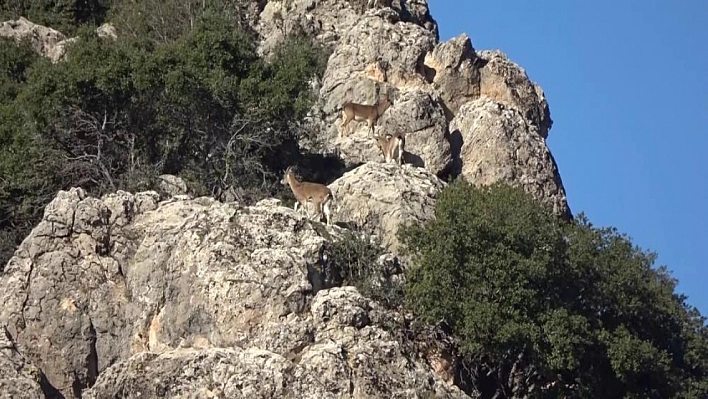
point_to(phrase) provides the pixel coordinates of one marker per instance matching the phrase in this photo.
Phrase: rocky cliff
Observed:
(133, 294)
(395, 50)
(207, 299)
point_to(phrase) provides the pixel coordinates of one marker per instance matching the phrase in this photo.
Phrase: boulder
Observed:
(45, 41)
(172, 185)
(452, 67)
(379, 198)
(497, 144)
(504, 81)
(107, 30)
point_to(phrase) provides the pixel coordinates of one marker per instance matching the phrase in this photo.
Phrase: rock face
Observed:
(378, 197)
(504, 81)
(328, 20)
(349, 357)
(219, 294)
(499, 144)
(451, 68)
(18, 377)
(381, 55)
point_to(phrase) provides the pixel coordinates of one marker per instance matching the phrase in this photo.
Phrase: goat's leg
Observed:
(400, 152)
(345, 121)
(327, 213)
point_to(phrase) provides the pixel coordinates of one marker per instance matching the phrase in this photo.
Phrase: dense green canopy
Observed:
(547, 307)
(182, 91)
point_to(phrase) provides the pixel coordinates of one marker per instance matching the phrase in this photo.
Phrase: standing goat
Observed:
(305, 193)
(392, 146)
(360, 112)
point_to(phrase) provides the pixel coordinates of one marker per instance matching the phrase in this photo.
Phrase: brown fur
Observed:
(361, 112)
(306, 192)
(392, 147)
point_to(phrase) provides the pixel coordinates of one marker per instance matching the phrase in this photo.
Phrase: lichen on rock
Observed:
(100, 283)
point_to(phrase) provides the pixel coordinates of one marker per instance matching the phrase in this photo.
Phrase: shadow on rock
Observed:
(413, 159)
(320, 168)
(456, 141)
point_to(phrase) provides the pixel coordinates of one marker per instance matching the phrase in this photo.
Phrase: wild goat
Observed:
(360, 112)
(319, 195)
(392, 146)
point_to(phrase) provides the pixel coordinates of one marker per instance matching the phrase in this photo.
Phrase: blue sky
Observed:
(627, 84)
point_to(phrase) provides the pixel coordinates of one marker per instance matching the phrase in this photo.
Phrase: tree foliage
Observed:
(63, 15)
(114, 114)
(546, 308)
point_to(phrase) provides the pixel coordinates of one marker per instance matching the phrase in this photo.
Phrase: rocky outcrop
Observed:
(46, 41)
(349, 357)
(172, 185)
(390, 51)
(128, 295)
(18, 377)
(227, 289)
(417, 114)
(452, 69)
(379, 198)
(497, 144)
(381, 55)
(328, 20)
(504, 81)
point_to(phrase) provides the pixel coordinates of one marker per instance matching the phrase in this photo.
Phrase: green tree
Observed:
(23, 192)
(116, 113)
(545, 308)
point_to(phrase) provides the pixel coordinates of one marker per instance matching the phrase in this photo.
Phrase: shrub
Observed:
(353, 259)
(544, 307)
(115, 114)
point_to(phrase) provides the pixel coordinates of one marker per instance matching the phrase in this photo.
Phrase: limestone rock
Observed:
(328, 20)
(374, 39)
(379, 197)
(421, 117)
(504, 81)
(498, 144)
(417, 114)
(18, 377)
(99, 282)
(325, 370)
(45, 41)
(107, 30)
(455, 75)
(172, 185)
(378, 57)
